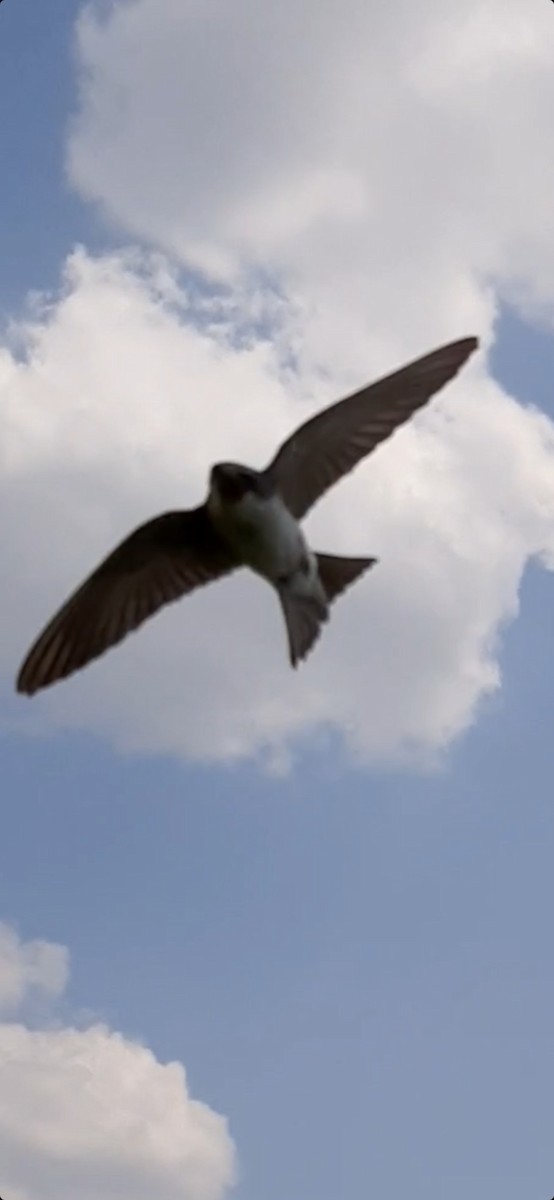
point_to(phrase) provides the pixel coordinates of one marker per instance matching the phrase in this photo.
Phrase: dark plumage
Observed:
(250, 518)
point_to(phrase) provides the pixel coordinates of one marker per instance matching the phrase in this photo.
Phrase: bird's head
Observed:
(231, 481)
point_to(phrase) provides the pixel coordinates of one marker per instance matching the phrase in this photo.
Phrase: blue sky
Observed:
(41, 218)
(354, 962)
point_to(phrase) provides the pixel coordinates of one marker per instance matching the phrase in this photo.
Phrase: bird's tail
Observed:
(305, 614)
(337, 573)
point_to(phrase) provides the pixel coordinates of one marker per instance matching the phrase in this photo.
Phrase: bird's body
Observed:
(256, 523)
(249, 519)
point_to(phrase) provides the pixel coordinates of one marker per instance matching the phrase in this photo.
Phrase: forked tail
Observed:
(305, 614)
(337, 573)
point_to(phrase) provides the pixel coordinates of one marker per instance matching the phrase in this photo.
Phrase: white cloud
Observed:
(389, 171)
(384, 161)
(87, 1112)
(122, 395)
(27, 967)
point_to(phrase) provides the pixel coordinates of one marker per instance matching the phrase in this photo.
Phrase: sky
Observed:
(267, 934)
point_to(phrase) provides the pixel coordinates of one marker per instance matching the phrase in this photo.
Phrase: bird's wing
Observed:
(327, 447)
(161, 561)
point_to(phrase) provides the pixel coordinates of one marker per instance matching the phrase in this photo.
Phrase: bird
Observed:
(249, 519)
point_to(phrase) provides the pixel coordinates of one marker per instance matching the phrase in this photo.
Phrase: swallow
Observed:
(249, 519)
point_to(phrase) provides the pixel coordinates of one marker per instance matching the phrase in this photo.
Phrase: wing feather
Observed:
(330, 444)
(158, 563)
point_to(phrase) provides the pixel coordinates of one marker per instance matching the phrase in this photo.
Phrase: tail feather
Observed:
(338, 573)
(305, 614)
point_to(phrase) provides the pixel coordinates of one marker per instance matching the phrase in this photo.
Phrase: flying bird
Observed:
(249, 519)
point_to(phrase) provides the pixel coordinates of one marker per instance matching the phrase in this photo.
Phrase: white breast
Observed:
(264, 533)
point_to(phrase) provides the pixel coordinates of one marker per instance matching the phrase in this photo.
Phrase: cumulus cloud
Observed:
(383, 161)
(123, 390)
(353, 185)
(88, 1112)
(27, 967)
